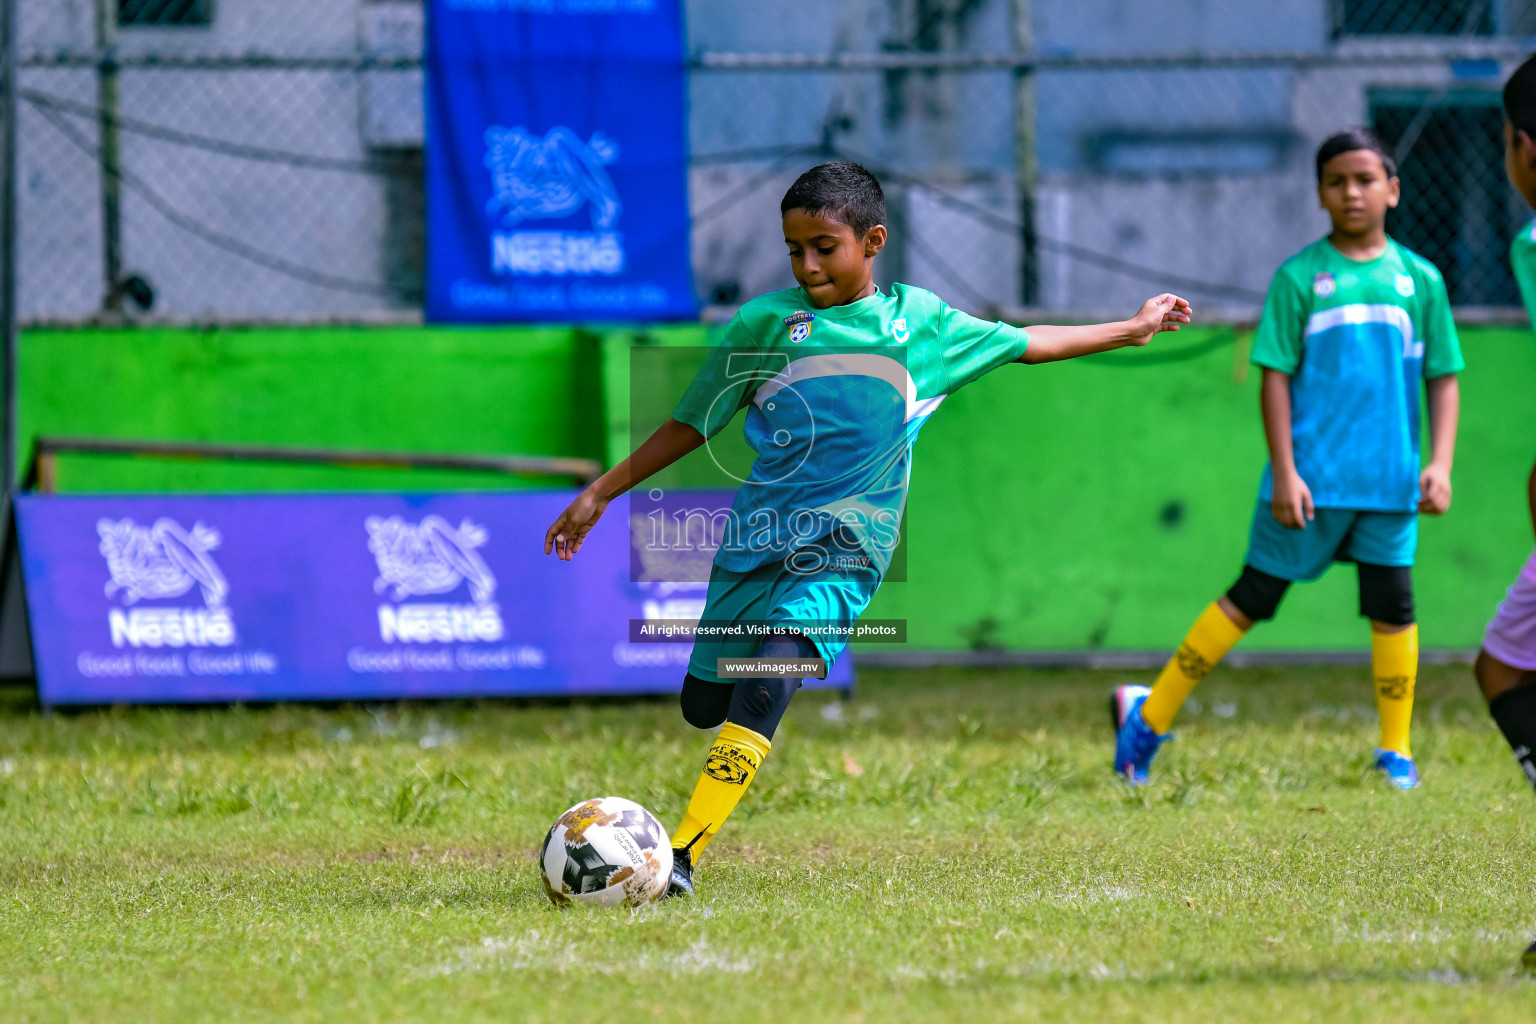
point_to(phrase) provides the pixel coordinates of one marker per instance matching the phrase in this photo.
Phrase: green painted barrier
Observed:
(1085, 505)
(525, 391)
(1103, 503)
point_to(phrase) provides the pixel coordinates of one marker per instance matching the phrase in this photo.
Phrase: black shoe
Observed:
(681, 882)
(1528, 960)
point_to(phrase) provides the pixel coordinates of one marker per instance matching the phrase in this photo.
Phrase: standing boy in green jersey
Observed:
(837, 377)
(1506, 665)
(1352, 324)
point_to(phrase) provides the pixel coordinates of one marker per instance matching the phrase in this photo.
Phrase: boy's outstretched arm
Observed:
(671, 442)
(1048, 344)
(1444, 411)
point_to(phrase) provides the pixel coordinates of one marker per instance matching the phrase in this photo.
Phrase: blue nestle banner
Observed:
(339, 597)
(556, 166)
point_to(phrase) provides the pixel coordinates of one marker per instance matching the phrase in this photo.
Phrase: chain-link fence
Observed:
(236, 160)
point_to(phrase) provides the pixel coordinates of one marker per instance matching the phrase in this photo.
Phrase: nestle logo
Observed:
(439, 623)
(433, 557)
(171, 627)
(162, 561)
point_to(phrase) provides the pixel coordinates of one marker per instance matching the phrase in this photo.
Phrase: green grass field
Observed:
(950, 846)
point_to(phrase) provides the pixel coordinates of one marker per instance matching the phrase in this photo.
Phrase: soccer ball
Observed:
(605, 852)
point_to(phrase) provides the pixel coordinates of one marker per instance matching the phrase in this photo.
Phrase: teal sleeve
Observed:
(1442, 346)
(1277, 343)
(973, 348)
(732, 372)
(1522, 260)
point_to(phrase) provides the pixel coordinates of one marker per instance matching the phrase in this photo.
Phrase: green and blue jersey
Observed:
(1522, 260)
(1357, 338)
(835, 399)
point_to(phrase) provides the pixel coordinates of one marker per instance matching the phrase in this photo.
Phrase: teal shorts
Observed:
(784, 597)
(1334, 535)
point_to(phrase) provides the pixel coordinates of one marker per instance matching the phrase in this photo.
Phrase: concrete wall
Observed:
(327, 220)
(1225, 228)
(1201, 173)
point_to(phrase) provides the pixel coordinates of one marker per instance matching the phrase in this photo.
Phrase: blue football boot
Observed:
(681, 882)
(1135, 741)
(1402, 772)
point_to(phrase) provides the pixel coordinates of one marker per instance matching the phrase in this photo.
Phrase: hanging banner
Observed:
(556, 164)
(342, 597)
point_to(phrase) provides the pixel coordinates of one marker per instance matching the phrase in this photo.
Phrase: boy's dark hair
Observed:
(842, 189)
(1520, 97)
(1348, 141)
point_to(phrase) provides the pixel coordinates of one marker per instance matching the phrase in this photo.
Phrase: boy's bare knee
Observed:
(1494, 677)
(1234, 613)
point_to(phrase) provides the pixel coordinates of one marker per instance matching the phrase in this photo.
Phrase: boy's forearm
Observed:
(671, 441)
(1444, 414)
(1275, 407)
(1048, 343)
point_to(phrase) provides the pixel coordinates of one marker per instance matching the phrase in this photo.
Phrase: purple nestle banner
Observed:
(337, 597)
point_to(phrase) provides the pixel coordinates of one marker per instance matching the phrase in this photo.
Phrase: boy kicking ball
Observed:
(1351, 325)
(1506, 665)
(837, 377)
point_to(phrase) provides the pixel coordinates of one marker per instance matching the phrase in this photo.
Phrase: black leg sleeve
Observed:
(1515, 712)
(1386, 593)
(1257, 594)
(705, 703)
(759, 704)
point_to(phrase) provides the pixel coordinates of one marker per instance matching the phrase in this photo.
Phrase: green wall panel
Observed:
(1094, 504)
(1104, 502)
(528, 391)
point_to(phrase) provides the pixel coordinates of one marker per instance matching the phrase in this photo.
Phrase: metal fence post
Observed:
(111, 189)
(9, 80)
(1025, 154)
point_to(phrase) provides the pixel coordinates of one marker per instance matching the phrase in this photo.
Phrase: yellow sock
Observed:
(1395, 666)
(1208, 641)
(728, 771)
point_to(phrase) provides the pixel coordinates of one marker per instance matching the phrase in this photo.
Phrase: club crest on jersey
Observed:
(799, 324)
(1323, 285)
(1404, 285)
(899, 330)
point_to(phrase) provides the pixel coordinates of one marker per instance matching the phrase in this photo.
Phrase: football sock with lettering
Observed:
(728, 771)
(1515, 712)
(1395, 666)
(1208, 641)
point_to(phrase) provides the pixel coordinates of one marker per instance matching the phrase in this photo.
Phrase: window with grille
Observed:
(1456, 210)
(164, 12)
(1417, 17)
(405, 225)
